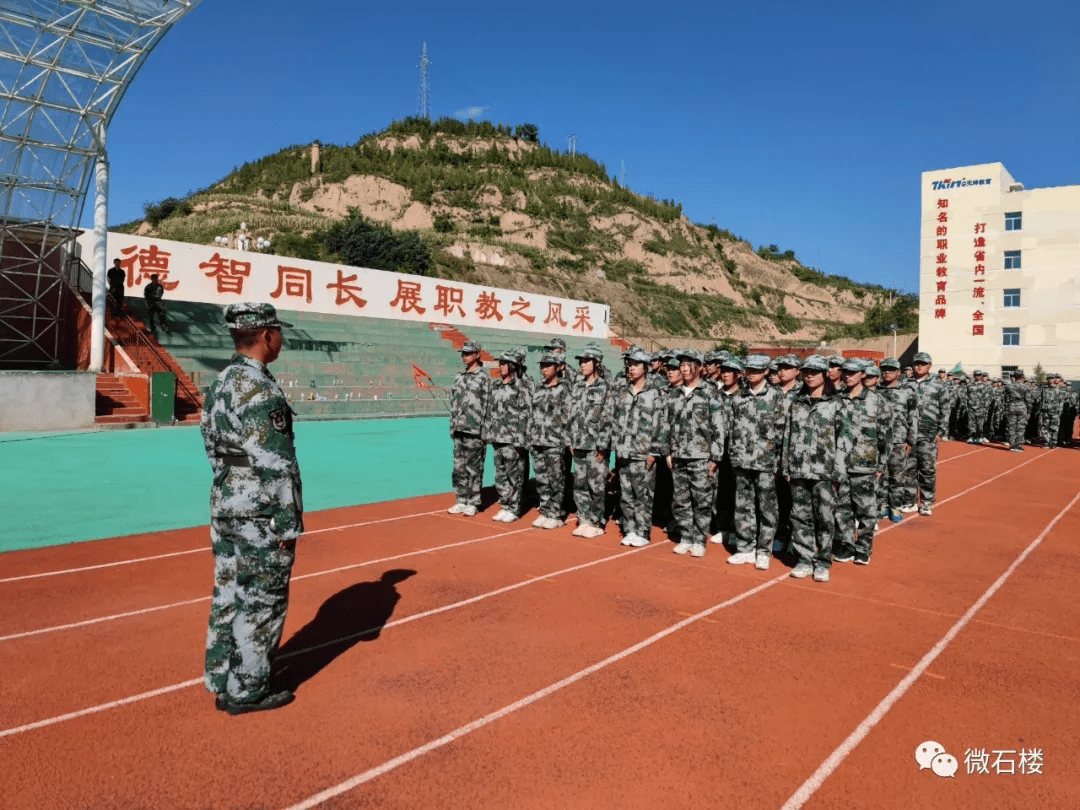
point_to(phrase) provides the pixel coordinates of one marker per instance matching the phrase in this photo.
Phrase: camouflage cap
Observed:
(470, 347)
(1018, 374)
(556, 343)
(590, 352)
(907, 368)
(693, 355)
(834, 360)
(852, 364)
(712, 357)
(509, 357)
(550, 359)
(774, 364)
(633, 347)
(815, 362)
(792, 360)
(249, 315)
(756, 361)
(890, 362)
(732, 362)
(979, 372)
(872, 370)
(671, 363)
(638, 355)
(921, 357)
(520, 353)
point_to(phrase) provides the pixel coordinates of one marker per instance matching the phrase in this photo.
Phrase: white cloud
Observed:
(470, 112)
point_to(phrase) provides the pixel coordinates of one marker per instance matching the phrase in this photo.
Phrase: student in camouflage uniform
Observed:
(549, 439)
(834, 383)
(468, 407)
(867, 419)
(590, 438)
(695, 441)
(256, 514)
(872, 380)
(979, 396)
(1053, 404)
(787, 370)
(506, 429)
(812, 461)
(1019, 399)
(638, 411)
(664, 485)
(904, 406)
(723, 523)
(755, 440)
(933, 423)
(996, 427)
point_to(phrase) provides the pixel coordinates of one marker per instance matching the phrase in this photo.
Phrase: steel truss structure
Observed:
(64, 67)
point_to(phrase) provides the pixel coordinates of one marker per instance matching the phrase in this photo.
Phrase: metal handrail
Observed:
(83, 275)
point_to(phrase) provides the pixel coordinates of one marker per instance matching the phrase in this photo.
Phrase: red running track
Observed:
(498, 628)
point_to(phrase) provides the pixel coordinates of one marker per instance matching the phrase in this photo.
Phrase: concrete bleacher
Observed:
(335, 366)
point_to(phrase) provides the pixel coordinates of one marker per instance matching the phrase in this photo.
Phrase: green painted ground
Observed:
(64, 488)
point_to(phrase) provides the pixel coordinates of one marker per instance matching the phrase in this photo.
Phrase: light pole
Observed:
(893, 327)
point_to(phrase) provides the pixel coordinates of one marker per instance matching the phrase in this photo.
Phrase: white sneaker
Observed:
(510, 517)
(698, 550)
(761, 563)
(802, 570)
(468, 510)
(539, 522)
(909, 508)
(717, 538)
(552, 523)
(456, 509)
(683, 547)
(741, 558)
(581, 531)
(499, 518)
(628, 540)
(926, 510)
(638, 541)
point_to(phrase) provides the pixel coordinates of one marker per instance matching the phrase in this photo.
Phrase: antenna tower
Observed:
(425, 100)
(572, 144)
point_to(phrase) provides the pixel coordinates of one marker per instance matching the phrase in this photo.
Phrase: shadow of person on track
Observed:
(357, 613)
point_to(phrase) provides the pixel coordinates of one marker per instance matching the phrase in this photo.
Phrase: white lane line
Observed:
(198, 550)
(487, 719)
(51, 721)
(811, 785)
(156, 608)
(405, 620)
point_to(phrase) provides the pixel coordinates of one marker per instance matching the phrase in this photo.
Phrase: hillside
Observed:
(492, 207)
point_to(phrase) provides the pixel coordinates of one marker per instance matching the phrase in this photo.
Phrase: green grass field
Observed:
(64, 488)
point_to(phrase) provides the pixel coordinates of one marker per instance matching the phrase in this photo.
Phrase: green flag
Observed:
(957, 369)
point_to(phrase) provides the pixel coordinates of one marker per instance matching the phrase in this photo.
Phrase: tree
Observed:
(361, 243)
(529, 132)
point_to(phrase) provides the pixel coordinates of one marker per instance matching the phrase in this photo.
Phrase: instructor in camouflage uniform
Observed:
(933, 402)
(256, 514)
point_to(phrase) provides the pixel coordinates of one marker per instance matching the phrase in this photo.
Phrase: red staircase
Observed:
(115, 404)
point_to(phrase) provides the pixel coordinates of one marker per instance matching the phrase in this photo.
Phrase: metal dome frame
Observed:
(65, 65)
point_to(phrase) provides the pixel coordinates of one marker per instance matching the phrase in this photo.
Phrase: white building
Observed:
(999, 272)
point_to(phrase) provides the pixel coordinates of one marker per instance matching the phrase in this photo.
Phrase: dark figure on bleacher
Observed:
(116, 278)
(153, 293)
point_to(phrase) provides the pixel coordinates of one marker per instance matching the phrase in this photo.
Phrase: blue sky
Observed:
(806, 125)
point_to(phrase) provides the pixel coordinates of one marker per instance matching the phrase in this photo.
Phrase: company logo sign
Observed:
(941, 185)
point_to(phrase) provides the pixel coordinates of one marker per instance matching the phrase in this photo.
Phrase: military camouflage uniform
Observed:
(694, 436)
(933, 422)
(506, 429)
(637, 431)
(590, 435)
(813, 459)
(866, 443)
(724, 511)
(1053, 403)
(754, 444)
(1019, 399)
(904, 407)
(979, 398)
(256, 514)
(468, 407)
(549, 438)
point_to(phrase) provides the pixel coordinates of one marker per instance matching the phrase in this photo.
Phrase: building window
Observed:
(1012, 298)
(1013, 221)
(1012, 259)
(1006, 371)
(1010, 336)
